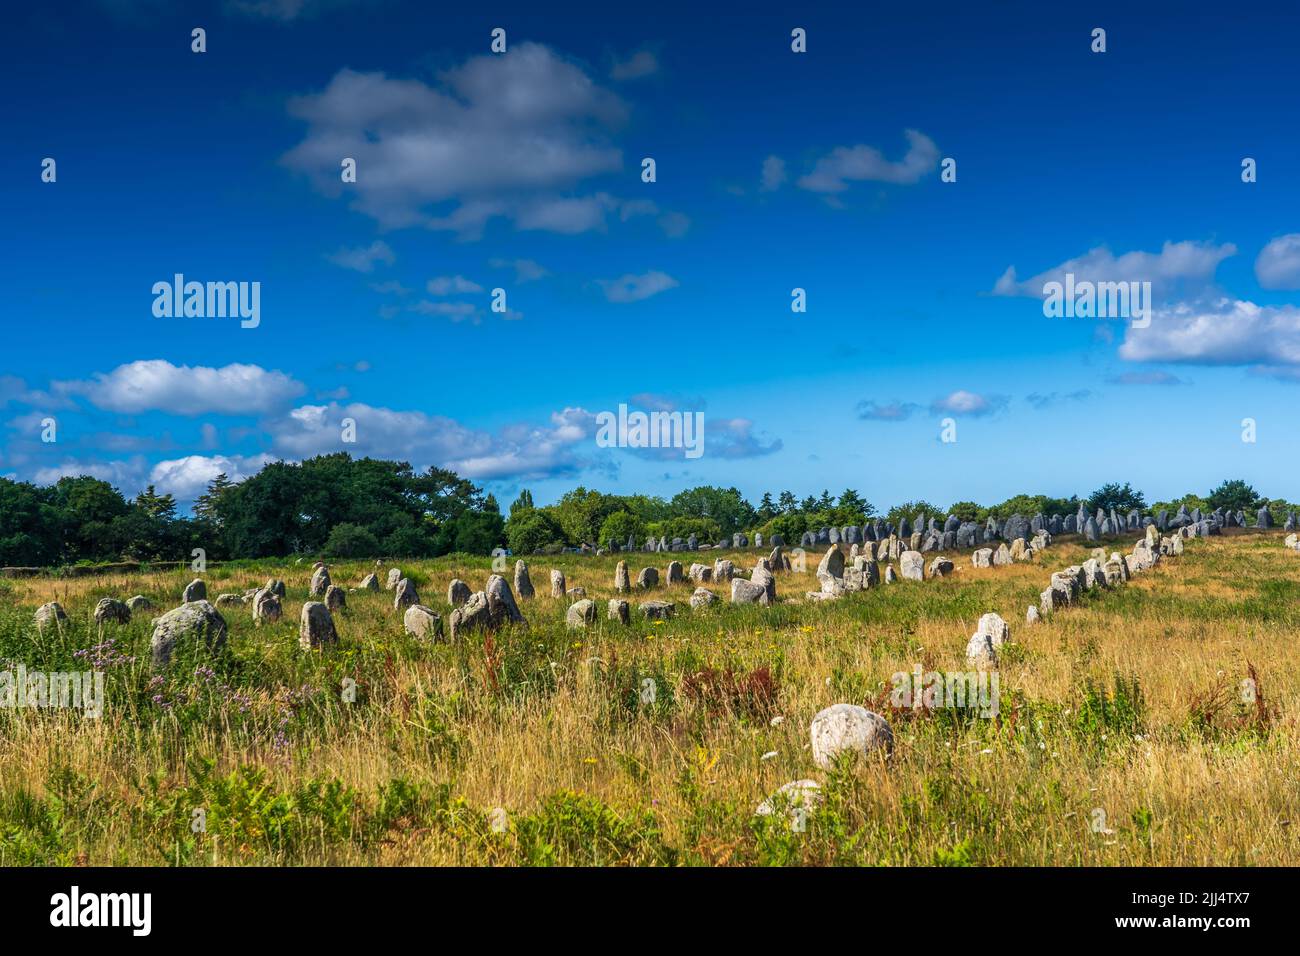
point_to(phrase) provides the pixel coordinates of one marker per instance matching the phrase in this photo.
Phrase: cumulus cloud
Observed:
(124, 475)
(774, 174)
(158, 385)
(1178, 266)
(451, 285)
(1153, 377)
(736, 438)
(1222, 332)
(971, 404)
(363, 259)
(499, 136)
(634, 288)
(1278, 264)
(640, 64)
(526, 270)
(834, 172)
(187, 478)
(886, 411)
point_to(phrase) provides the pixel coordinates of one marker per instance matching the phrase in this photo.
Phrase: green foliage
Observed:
(967, 511)
(1234, 495)
(349, 540)
(532, 530)
(618, 526)
(1114, 495)
(706, 530)
(910, 509)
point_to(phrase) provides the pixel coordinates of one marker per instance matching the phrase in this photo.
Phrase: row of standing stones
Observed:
(950, 532)
(837, 729)
(849, 728)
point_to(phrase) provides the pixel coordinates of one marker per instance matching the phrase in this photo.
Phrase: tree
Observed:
(766, 508)
(966, 510)
(532, 530)
(911, 509)
(347, 540)
(523, 503)
(1234, 495)
(618, 526)
(726, 506)
(787, 502)
(1119, 497)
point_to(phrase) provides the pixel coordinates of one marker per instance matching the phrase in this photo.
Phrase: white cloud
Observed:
(774, 174)
(499, 136)
(363, 259)
(455, 310)
(845, 164)
(1177, 266)
(642, 63)
(634, 288)
(962, 402)
(526, 270)
(126, 476)
(1278, 263)
(452, 285)
(1221, 332)
(187, 478)
(158, 385)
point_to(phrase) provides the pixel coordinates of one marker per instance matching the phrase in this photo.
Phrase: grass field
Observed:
(1122, 737)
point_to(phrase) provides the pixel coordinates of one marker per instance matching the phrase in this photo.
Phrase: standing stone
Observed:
(647, 578)
(580, 615)
(193, 623)
(658, 610)
(335, 598)
(405, 595)
(890, 575)
(1264, 519)
(458, 592)
(674, 573)
(276, 587)
(501, 602)
(983, 558)
(394, 578)
(702, 597)
(112, 611)
(473, 615)
(266, 607)
(622, 584)
(523, 585)
(421, 621)
(1032, 616)
(940, 567)
(692, 543)
(370, 583)
(316, 626)
(196, 590)
(980, 652)
(619, 611)
(763, 577)
(557, 583)
(139, 604)
(912, 566)
(320, 582)
(723, 570)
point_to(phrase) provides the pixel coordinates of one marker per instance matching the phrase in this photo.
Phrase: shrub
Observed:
(351, 541)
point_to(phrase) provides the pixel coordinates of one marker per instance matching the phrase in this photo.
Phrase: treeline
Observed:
(338, 506)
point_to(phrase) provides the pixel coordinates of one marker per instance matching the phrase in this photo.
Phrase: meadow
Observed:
(1123, 736)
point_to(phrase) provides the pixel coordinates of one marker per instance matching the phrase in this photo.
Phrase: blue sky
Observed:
(775, 170)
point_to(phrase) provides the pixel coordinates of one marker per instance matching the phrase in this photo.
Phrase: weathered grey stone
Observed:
(673, 573)
(998, 630)
(658, 610)
(622, 583)
(911, 564)
(980, 652)
(370, 583)
(423, 622)
(703, 597)
(982, 558)
(580, 615)
(196, 590)
(764, 578)
(890, 575)
(185, 628)
(405, 595)
(1032, 616)
(501, 602)
(266, 607)
(795, 799)
(139, 604)
(458, 592)
(747, 592)
(316, 626)
(112, 611)
(229, 600)
(276, 587)
(394, 578)
(620, 611)
(320, 582)
(557, 583)
(700, 573)
(473, 615)
(940, 567)
(848, 728)
(723, 570)
(647, 578)
(523, 584)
